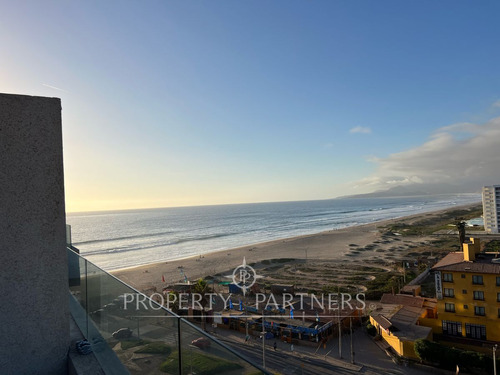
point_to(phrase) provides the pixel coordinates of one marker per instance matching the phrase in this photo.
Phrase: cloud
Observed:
(53, 87)
(496, 104)
(328, 146)
(464, 156)
(360, 129)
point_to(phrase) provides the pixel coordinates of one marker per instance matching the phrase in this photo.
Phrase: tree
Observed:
(172, 301)
(461, 233)
(202, 288)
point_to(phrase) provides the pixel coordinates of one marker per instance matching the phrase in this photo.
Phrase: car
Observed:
(201, 342)
(122, 333)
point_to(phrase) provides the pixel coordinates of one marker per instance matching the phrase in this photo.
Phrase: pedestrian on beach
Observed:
(275, 346)
(291, 348)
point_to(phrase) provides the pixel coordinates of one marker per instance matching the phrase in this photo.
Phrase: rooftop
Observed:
(401, 313)
(402, 299)
(404, 330)
(484, 263)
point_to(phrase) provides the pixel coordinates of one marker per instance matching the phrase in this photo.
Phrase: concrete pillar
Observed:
(34, 311)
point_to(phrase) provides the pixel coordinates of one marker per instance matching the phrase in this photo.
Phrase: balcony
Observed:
(140, 336)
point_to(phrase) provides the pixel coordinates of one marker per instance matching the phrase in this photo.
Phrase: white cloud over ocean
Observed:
(463, 157)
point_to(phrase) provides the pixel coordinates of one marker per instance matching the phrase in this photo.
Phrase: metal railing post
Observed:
(86, 300)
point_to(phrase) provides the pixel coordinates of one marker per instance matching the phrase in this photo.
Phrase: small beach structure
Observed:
(279, 289)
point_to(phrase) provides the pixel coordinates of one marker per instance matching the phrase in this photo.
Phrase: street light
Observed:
(263, 343)
(494, 360)
(340, 335)
(350, 329)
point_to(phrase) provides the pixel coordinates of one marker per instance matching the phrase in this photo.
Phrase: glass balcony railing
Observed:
(131, 333)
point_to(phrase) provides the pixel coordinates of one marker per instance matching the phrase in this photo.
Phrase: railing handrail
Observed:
(174, 315)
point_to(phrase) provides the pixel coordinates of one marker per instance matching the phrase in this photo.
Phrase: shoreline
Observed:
(293, 237)
(331, 245)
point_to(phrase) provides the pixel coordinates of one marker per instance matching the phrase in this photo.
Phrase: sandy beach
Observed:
(338, 250)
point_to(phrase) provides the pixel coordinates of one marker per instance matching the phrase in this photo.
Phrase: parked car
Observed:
(122, 333)
(201, 342)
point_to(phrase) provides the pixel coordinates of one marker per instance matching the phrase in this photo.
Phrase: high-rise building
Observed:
(491, 208)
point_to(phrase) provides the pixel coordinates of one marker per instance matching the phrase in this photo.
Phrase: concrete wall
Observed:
(34, 312)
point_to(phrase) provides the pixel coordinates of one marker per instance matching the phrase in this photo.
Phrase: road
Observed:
(369, 358)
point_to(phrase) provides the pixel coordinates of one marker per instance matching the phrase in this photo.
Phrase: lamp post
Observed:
(263, 343)
(352, 349)
(246, 323)
(494, 360)
(340, 328)
(340, 335)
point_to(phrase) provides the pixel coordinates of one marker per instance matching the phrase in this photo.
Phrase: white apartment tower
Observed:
(491, 208)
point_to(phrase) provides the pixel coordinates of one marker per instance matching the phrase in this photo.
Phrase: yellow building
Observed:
(398, 324)
(468, 296)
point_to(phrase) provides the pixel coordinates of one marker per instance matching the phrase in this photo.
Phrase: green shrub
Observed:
(127, 344)
(370, 328)
(448, 358)
(383, 283)
(493, 245)
(199, 363)
(156, 347)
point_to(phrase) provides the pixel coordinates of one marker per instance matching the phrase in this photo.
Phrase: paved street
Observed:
(369, 358)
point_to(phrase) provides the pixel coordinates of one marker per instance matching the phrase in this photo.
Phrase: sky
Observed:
(174, 103)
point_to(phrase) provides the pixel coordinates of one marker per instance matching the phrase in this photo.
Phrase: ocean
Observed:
(119, 239)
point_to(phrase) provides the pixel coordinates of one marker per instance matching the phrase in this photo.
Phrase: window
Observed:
(498, 297)
(449, 292)
(452, 328)
(499, 313)
(498, 280)
(477, 279)
(475, 331)
(479, 310)
(449, 307)
(448, 277)
(466, 307)
(479, 295)
(462, 276)
(464, 291)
